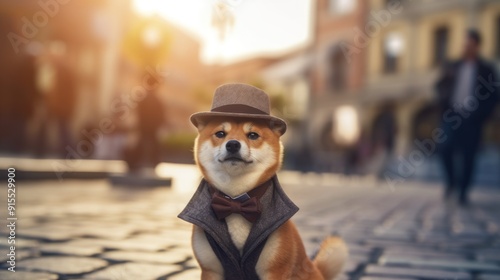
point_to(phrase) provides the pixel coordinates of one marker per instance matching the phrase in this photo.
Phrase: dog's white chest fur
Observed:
(238, 228)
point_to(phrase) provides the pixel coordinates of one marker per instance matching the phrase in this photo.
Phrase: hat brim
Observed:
(203, 117)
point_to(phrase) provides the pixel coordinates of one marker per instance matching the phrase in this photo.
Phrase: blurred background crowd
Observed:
(355, 79)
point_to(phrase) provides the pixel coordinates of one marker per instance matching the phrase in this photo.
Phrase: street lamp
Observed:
(148, 41)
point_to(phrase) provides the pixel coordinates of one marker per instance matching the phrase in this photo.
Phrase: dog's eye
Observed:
(253, 136)
(220, 134)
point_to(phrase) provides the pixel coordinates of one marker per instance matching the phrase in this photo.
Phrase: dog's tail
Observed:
(331, 257)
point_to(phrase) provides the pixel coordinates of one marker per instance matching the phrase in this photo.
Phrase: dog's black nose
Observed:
(233, 146)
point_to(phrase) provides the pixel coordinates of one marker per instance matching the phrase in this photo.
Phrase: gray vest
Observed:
(277, 208)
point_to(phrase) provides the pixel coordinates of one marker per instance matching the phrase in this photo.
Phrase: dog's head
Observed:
(236, 155)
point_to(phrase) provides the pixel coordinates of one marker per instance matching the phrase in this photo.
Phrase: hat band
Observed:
(239, 108)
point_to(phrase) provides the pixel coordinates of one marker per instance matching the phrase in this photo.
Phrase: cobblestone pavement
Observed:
(90, 230)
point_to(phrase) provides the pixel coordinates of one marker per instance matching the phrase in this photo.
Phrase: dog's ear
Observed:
(277, 128)
(200, 125)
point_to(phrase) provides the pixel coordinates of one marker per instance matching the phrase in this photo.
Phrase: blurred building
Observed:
(322, 83)
(362, 91)
(82, 36)
(356, 95)
(244, 71)
(409, 44)
(405, 56)
(108, 56)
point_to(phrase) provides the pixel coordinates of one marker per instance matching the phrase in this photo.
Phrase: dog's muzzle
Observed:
(233, 148)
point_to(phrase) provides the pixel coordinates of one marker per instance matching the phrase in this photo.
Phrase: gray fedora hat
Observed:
(240, 101)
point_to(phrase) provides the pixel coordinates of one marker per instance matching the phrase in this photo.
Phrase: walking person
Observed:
(467, 94)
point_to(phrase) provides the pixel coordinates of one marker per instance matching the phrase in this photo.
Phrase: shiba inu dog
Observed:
(241, 215)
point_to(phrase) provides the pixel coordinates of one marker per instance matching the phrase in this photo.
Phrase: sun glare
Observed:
(163, 8)
(151, 36)
(247, 36)
(149, 7)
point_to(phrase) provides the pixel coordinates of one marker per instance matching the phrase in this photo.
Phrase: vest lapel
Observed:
(277, 208)
(199, 212)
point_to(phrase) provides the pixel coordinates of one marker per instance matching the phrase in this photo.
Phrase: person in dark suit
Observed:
(468, 90)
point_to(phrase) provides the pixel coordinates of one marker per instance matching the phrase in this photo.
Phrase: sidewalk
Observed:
(87, 229)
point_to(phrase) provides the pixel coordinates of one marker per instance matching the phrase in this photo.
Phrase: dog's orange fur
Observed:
(283, 256)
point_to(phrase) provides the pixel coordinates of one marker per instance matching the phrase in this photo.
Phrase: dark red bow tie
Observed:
(223, 207)
(250, 209)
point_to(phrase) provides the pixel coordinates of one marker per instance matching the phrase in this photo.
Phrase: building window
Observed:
(338, 70)
(497, 50)
(298, 99)
(440, 45)
(393, 47)
(341, 6)
(346, 125)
